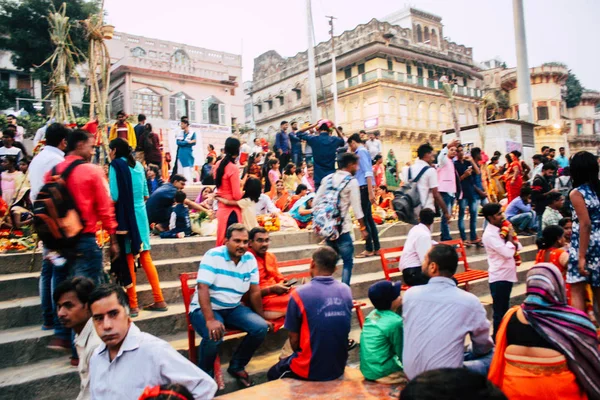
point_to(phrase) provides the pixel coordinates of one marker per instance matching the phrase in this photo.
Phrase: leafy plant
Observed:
(574, 90)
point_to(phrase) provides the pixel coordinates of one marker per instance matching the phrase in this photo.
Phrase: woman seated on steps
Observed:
(546, 349)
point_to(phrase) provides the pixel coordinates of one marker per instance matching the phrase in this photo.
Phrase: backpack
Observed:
(327, 217)
(407, 198)
(55, 216)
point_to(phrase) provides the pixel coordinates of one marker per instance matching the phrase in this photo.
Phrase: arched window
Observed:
(116, 103)
(434, 38)
(433, 114)
(426, 34)
(181, 105)
(422, 115)
(147, 102)
(138, 52)
(443, 117)
(180, 57)
(419, 34)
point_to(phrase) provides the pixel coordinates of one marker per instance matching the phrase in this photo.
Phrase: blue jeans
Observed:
(526, 220)
(539, 224)
(449, 201)
(500, 292)
(480, 364)
(240, 317)
(345, 249)
(473, 205)
(50, 277)
(85, 259)
(297, 159)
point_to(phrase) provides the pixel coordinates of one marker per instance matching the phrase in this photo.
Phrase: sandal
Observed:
(241, 377)
(364, 254)
(352, 344)
(134, 312)
(162, 306)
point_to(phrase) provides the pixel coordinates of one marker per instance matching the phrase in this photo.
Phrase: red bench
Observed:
(187, 293)
(465, 277)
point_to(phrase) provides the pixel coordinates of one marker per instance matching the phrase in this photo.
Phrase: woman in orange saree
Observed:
(514, 177)
(546, 349)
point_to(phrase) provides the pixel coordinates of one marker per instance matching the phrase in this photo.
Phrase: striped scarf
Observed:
(568, 329)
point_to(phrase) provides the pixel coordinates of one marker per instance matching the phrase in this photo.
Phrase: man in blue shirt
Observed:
(562, 160)
(283, 147)
(318, 321)
(365, 179)
(296, 144)
(520, 213)
(466, 168)
(324, 147)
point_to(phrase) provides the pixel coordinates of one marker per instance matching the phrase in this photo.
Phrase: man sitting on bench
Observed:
(318, 319)
(273, 288)
(226, 273)
(416, 247)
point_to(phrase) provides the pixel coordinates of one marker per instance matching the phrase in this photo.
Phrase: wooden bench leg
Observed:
(218, 373)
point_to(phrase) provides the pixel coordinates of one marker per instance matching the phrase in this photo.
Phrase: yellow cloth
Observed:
(130, 135)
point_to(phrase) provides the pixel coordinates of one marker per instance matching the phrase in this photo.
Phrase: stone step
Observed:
(55, 379)
(164, 249)
(27, 310)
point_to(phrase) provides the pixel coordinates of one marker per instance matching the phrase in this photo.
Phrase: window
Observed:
(580, 129)
(542, 113)
(180, 58)
(434, 39)
(390, 65)
(147, 102)
(361, 69)
(419, 34)
(213, 111)
(138, 52)
(259, 108)
(419, 71)
(116, 104)
(408, 70)
(270, 103)
(182, 105)
(298, 94)
(280, 100)
(426, 35)
(348, 73)
(430, 73)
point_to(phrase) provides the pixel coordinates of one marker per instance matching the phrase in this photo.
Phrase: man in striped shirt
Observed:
(226, 273)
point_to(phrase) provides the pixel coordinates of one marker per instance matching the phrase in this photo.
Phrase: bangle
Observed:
(363, 228)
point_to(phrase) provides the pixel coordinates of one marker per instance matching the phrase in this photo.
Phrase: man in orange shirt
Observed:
(275, 293)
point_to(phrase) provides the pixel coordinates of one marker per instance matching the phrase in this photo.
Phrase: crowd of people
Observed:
(321, 179)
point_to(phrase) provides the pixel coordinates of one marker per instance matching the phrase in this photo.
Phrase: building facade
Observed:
(166, 80)
(387, 77)
(556, 125)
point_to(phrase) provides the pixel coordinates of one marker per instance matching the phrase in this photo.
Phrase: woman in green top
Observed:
(129, 190)
(381, 339)
(391, 170)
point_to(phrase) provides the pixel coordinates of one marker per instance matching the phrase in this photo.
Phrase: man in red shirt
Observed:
(89, 190)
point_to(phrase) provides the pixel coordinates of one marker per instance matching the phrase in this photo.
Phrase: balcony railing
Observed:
(402, 78)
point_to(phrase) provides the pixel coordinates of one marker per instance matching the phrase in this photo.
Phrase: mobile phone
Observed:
(291, 282)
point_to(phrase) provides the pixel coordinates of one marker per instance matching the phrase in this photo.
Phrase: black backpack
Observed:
(407, 198)
(55, 216)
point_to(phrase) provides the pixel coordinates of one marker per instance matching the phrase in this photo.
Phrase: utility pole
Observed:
(333, 70)
(312, 82)
(523, 76)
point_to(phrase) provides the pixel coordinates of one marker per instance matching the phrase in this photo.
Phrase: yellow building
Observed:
(387, 81)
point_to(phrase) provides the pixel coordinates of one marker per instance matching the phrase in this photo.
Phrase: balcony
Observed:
(400, 77)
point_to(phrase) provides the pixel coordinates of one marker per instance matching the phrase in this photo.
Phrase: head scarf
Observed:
(568, 329)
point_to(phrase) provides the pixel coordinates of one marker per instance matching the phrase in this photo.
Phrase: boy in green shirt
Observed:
(382, 336)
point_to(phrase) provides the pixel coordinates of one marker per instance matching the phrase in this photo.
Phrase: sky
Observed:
(557, 30)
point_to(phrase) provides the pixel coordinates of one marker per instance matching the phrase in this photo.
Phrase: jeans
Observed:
(414, 277)
(240, 317)
(480, 364)
(85, 259)
(500, 291)
(297, 159)
(345, 249)
(449, 201)
(473, 205)
(372, 242)
(526, 220)
(282, 370)
(539, 224)
(50, 277)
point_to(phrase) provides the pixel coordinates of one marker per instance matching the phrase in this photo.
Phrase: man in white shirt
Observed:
(130, 360)
(51, 155)
(428, 183)
(373, 144)
(501, 261)
(257, 148)
(349, 197)
(71, 298)
(416, 247)
(8, 139)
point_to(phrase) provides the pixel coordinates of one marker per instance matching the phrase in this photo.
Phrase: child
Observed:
(381, 340)
(11, 179)
(153, 178)
(179, 225)
(504, 232)
(302, 211)
(24, 165)
(552, 213)
(273, 176)
(290, 179)
(252, 194)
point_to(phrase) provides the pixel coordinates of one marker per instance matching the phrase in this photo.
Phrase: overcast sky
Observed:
(557, 30)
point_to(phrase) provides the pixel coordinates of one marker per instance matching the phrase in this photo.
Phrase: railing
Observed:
(402, 78)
